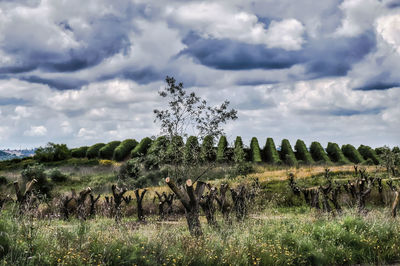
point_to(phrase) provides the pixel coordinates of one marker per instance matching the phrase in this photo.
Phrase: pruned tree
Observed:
(139, 200)
(223, 202)
(118, 194)
(75, 203)
(396, 200)
(163, 199)
(25, 199)
(239, 198)
(208, 206)
(93, 202)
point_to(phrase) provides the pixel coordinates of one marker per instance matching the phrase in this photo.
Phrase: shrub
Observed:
(368, 153)
(3, 180)
(222, 151)
(124, 149)
(36, 171)
(192, 151)
(239, 155)
(174, 153)
(255, 151)
(93, 151)
(129, 170)
(318, 153)
(302, 153)
(52, 152)
(336, 154)
(79, 152)
(156, 154)
(270, 153)
(107, 151)
(352, 154)
(207, 149)
(141, 148)
(56, 176)
(287, 154)
(5, 241)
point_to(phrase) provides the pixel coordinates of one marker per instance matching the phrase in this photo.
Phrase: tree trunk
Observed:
(207, 204)
(139, 199)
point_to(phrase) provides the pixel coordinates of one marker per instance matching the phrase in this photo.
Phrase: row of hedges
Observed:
(162, 150)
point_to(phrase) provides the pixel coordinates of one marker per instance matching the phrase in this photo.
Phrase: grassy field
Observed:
(280, 228)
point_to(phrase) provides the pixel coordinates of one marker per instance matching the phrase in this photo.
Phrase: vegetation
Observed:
(222, 151)
(141, 148)
(174, 153)
(318, 153)
(336, 154)
(255, 151)
(79, 152)
(93, 151)
(369, 153)
(107, 151)
(287, 154)
(208, 153)
(352, 154)
(192, 150)
(124, 149)
(52, 152)
(302, 153)
(270, 153)
(156, 154)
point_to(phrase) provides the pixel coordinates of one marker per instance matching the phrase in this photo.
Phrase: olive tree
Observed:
(188, 114)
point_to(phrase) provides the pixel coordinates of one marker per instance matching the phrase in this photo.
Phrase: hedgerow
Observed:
(124, 149)
(222, 151)
(192, 151)
(287, 154)
(352, 154)
(336, 154)
(207, 149)
(79, 152)
(318, 153)
(368, 153)
(156, 154)
(93, 151)
(174, 153)
(141, 148)
(270, 153)
(302, 153)
(255, 151)
(107, 151)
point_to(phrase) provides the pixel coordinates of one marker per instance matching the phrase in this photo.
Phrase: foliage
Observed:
(141, 149)
(79, 152)
(318, 153)
(242, 167)
(37, 171)
(352, 154)
(93, 151)
(174, 153)
(191, 153)
(124, 149)
(156, 154)
(57, 176)
(368, 153)
(336, 154)
(270, 153)
(255, 151)
(390, 160)
(3, 180)
(130, 170)
(287, 154)
(52, 152)
(208, 153)
(107, 151)
(302, 153)
(222, 150)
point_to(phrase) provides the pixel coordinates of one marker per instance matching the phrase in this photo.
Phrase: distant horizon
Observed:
(80, 73)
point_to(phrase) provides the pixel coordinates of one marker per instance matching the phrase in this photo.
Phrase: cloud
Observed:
(36, 131)
(388, 28)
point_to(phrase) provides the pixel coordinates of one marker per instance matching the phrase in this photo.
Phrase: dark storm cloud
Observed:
(378, 86)
(342, 112)
(393, 4)
(56, 83)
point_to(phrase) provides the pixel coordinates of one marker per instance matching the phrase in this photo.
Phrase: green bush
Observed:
(141, 148)
(270, 153)
(124, 149)
(191, 153)
(129, 170)
(287, 154)
(156, 154)
(207, 150)
(93, 151)
(302, 153)
(255, 151)
(36, 171)
(52, 152)
(3, 180)
(368, 153)
(318, 153)
(57, 176)
(174, 153)
(352, 154)
(222, 151)
(79, 152)
(239, 155)
(5, 242)
(107, 151)
(336, 154)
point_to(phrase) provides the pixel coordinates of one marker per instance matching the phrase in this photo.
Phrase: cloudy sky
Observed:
(81, 72)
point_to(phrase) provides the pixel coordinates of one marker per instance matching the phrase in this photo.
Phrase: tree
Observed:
(188, 114)
(52, 152)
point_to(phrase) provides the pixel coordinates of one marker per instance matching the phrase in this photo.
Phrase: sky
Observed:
(82, 72)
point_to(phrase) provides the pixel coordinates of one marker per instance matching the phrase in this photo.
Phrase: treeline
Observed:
(162, 150)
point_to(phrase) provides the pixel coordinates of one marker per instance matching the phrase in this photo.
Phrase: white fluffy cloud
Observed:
(389, 29)
(36, 131)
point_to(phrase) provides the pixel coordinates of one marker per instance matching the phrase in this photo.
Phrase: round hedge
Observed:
(368, 153)
(239, 154)
(318, 153)
(124, 149)
(174, 153)
(192, 150)
(107, 151)
(79, 152)
(207, 149)
(270, 153)
(157, 153)
(93, 151)
(302, 153)
(287, 154)
(255, 151)
(141, 148)
(222, 150)
(352, 154)
(336, 154)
